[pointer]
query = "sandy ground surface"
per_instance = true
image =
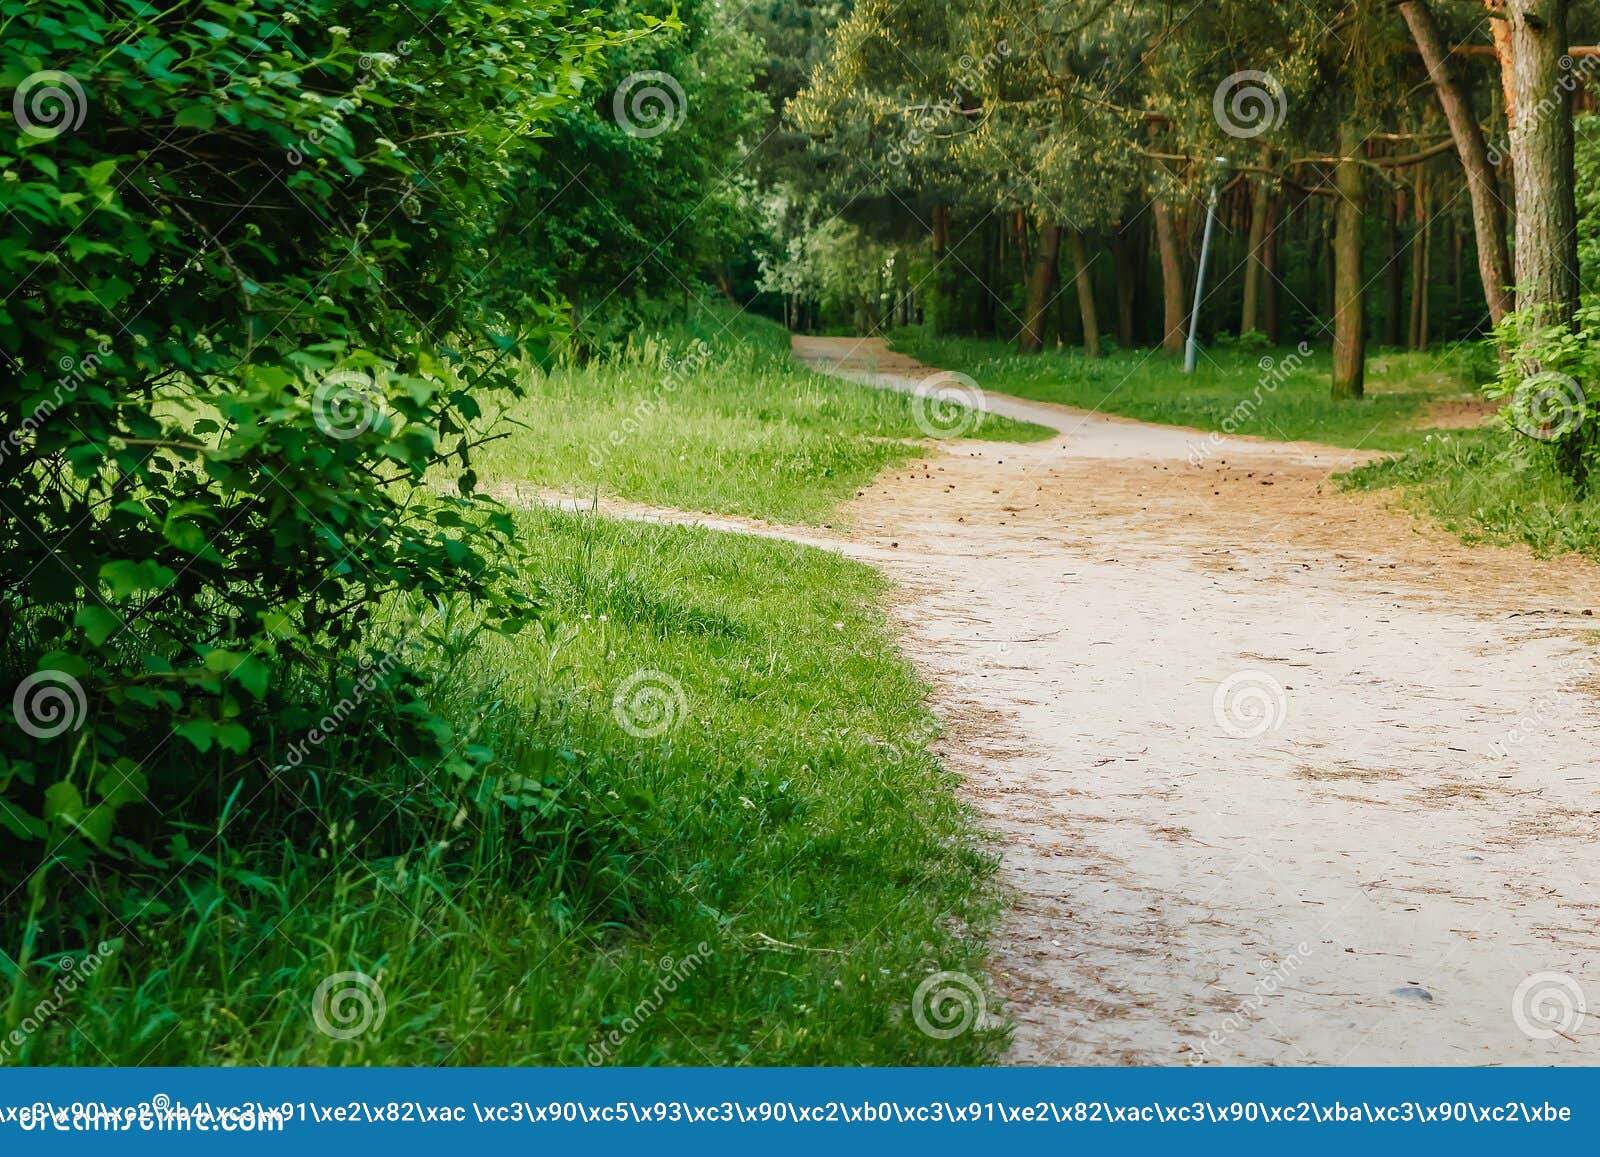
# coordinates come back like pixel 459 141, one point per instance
pixel 1279 774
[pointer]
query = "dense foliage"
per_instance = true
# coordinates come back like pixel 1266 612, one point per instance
pixel 270 262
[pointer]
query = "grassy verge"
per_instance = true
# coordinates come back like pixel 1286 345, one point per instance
pixel 1486 487
pixel 1286 398
pixel 714 416
pixel 752 859
pixel 1483 483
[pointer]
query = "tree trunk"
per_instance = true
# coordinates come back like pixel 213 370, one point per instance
pixel 1500 31
pixel 1349 316
pixel 937 307
pixel 1269 270
pixel 1259 202
pixel 1542 162
pixel 1171 278
pixel 1488 211
pixel 993 236
pixel 900 309
pixel 1080 269
pixel 1394 273
pixel 1125 266
pixel 1041 280
pixel 1421 240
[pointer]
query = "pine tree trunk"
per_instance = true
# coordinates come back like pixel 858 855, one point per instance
pixel 1259 203
pixel 937 306
pixel 1394 272
pixel 1488 210
pixel 1542 161
pixel 1420 239
pixel 900 313
pixel 993 236
pixel 1086 309
pixel 1500 32
pixel 1171 278
pixel 1269 270
pixel 1349 315
pixel 1041 280
pixel 1125 266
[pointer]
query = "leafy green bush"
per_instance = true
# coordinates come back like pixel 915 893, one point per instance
pixel 1546 384
pixel 244 248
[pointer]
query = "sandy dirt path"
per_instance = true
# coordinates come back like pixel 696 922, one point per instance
pixel 1281 775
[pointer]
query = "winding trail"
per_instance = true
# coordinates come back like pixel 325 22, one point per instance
pixel 1362 871
pixel 1280 775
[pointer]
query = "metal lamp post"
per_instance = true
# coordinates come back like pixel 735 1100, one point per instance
pixel 1191 348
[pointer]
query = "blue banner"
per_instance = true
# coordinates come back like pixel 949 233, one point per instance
pixel 300 1111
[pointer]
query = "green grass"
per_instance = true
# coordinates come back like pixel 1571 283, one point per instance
pixel 1491 487
pixel 1287 400
pixel 791 821
pixel 1485 484
pixel 736 428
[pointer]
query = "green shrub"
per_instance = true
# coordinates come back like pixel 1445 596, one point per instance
pixel 1546 384
pixel 243 246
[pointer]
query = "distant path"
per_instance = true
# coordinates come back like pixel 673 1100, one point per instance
pixel 1415 830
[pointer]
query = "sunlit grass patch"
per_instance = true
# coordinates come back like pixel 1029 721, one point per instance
pixel 713 834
